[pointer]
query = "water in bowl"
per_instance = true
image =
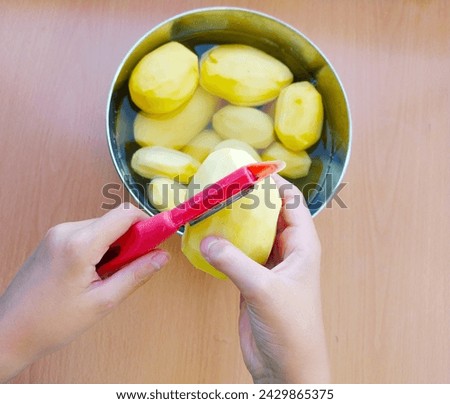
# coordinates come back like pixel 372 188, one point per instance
pixel 325 154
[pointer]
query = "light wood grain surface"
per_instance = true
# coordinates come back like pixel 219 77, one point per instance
pixel 386 258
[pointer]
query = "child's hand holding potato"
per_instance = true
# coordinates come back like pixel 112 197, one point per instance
pixel 280 325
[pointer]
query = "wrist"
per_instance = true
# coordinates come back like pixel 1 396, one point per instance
pixel 266 377
pixel 10 363
pixel 317 374
pixel 13 350
pixel 310 367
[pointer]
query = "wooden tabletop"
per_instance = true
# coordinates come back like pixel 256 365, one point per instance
pixel 386 257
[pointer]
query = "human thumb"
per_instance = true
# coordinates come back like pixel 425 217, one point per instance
pixel 129 278
pixel 227 258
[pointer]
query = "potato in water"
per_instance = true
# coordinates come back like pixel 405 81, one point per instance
pixel 178 128
pixel 297 163
pixel 165 194
pixel 299 116
pixel 164 79
pixel 202 144
pixel 243 75
pixel 249 125
pixel 157 161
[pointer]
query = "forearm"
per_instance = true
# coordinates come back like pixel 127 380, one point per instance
pixel 14 353
pixel 11 360
pixel 10 363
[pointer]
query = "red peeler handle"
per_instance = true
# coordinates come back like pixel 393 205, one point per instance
pixel 140 239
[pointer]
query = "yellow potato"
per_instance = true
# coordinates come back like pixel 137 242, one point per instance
pixel 297 163
pixel 165 194
pixel 249 125
pixel 243 75
pixel 202 144
pixel 249 226
pixel 176 129
pixel 157 161
pixel 299 116
pixel 164 79
pixel 239 145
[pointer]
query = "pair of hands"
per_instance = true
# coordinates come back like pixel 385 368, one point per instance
pixel 57 294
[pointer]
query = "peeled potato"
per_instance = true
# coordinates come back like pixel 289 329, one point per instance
pixel 175 130
pixel 157 161
pixel 250 226
pixel 239 145
pixel 299 116
pixel 249 125
pixel 202 144
pixel 165 194
pixel 243 75
pixel 164 79
pixel 297 163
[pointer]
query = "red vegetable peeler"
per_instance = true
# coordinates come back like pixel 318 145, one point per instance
pixel 146 235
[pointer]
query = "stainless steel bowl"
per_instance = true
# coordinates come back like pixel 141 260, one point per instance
pixel 199 30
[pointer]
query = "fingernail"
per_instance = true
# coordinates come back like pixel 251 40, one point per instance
pixel 159 260
pixel 207 244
